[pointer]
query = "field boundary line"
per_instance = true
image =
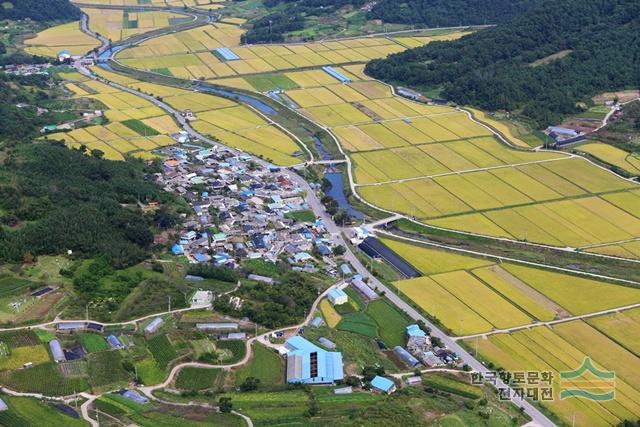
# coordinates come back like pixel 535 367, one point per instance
pixel 509 259
pixel 462 172
pixel 549 322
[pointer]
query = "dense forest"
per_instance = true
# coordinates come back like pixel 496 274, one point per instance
pixel 53 199
pixel 19 123
pixel 449 13
pixel 39 10
pixel 542 64
pixel 289 15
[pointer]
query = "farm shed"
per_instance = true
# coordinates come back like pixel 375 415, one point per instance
pixel 383 384
pixel 3 406
pixel 226 54
pixel 153 325
pixel 327 343
pixel 337 296
pixel 343 390
pixel 336 74
pixel 376 249
pixel 216 326
pixel 363 288
pixel 56 351
pixel 234 336
pixel 258 278
pixel 71 326
pixel 413 380
pixel 309 364
pixel 406 356
pixel 135 396
pixel 114 342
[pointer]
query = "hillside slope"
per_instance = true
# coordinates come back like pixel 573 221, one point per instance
pixel 494 68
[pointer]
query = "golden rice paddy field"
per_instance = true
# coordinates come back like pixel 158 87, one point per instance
pixel 136 127
pixel 470 295
pixel 458 175
pixel 118 24
pixel 232 124
pixel 435 164
pixel 563 347
pixel 52 41
pixel 614 156
pixel 189 54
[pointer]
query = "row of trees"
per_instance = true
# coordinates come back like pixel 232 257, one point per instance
pixel 494 68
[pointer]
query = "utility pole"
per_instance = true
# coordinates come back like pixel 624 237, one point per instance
pixel 169 303
pixel 86 311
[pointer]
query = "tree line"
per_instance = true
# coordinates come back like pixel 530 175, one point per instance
pixel 496 68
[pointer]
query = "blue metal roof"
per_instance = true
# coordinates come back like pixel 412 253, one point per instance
pixel 329 366
pixel 406 356
pixel 382 383
pixel 337 293
pixel 56 351
pixel 415 331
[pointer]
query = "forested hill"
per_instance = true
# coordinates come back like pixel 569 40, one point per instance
pixel 39 10
pixel 53 199
pixel 512 66
pixel 449 13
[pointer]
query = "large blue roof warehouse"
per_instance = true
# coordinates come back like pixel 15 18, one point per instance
pixel 309 364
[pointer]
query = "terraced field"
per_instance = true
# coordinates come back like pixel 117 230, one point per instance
pixel 470 295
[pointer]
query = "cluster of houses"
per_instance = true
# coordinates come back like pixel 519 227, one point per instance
pixel 27 69
pixel 421 351
pixel 242 210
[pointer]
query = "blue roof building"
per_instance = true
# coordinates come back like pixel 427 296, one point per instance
pixel 336 74
pixel 415 331
pixel 56 351
pixel 345 269
pixel 114 342
pixel 154 325
pixel 177 249
pixel 337 296
pixel 135 396
pixel 406 356
pixel 309 364
pixel 383 384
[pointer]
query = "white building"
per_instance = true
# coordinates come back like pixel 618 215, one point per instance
pixel 201 298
